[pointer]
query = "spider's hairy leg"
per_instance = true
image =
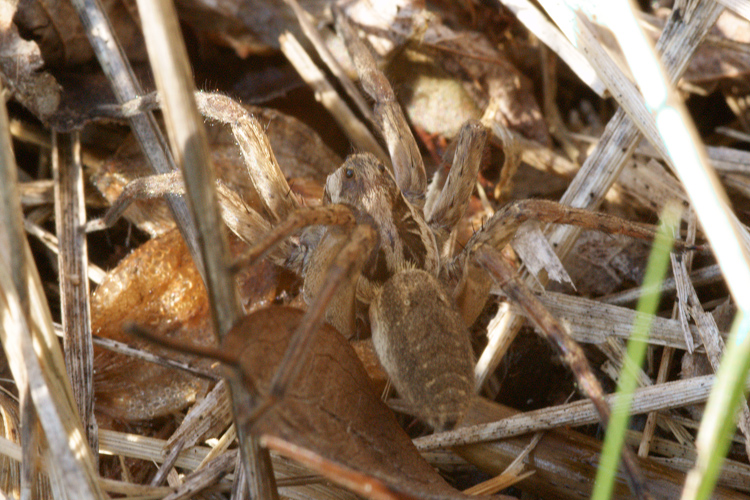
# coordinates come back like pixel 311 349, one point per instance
pixel 328 215
pixel 407 162
pixel 573 356
pixel 424 346
pixel 448 206
pixel 152 186
pixel 264 171
pixel 245 222
pixel 346 264
pixel 265 174
pixel 501 227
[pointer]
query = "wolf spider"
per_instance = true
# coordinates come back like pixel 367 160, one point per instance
pixel 379 247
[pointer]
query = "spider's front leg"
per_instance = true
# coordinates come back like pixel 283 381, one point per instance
pixel 408 167
pixel 505 275
pixel 483 252
pixel 471 290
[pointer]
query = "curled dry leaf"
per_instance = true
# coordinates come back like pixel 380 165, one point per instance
pixel 158 287
pixel 331 419
pixel 61 37
pixel 20 61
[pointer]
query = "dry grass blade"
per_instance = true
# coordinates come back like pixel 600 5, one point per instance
pixel 95 273
pixel 126 87
pixel 30 345
pixel 190 146
pixel 512 473
pixel 327 95
pixel 70 217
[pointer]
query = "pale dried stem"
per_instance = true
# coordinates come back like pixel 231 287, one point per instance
pixel 150 449
pixel 189 142
pixel 712 341
pixel 32 351
pixel 741 7
pixel 70 217
pixel 647 399
pixel 593 322
pixel 354 129
pixel 126 87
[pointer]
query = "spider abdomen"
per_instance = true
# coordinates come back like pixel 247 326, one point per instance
pixel 424 346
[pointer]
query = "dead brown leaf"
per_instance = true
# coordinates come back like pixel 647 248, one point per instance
pixel 159 287
pixel 330 419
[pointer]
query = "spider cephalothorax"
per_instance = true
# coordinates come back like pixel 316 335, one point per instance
pixel 405 242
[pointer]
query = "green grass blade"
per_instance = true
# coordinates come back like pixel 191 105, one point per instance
pixel 720 418
pixel 656 269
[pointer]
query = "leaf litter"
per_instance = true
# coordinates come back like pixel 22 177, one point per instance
pixel 450 43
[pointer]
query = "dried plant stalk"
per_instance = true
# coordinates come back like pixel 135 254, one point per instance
pixel 30 345
pixel 174 79
pixel 126 87
pixel 70 217
pixel 653 398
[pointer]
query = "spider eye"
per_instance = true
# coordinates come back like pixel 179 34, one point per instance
pixel 349 173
